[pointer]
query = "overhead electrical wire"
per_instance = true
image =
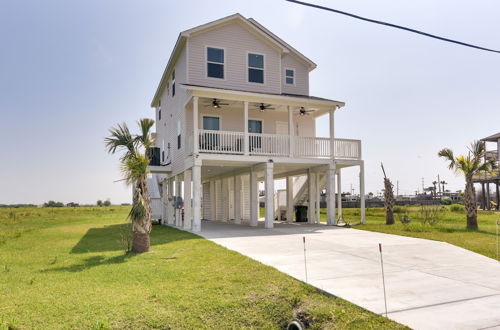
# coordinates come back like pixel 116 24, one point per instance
pixel 394 26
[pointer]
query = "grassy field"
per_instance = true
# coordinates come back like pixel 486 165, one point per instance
pixel 449 228
pixel 65 268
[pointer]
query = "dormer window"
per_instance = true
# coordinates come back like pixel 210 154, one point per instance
pixel 290 76
pixel 256 68
pixel 215 63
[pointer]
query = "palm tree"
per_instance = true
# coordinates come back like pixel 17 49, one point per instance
pixel 134 166
pixel 470 165
pixel 434 184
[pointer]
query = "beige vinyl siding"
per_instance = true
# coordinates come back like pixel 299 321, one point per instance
pixel 231 119
pixel 245 198
pixel 301 78
pixel 237 42
pixel 172 111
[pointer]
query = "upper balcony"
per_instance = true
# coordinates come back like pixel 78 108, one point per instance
pixel 256 124
pixel 276 145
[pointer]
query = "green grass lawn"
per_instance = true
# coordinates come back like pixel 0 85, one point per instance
pixel 65 268
pixel 450 228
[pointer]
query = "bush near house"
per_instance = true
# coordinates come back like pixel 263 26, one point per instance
pixel 79 277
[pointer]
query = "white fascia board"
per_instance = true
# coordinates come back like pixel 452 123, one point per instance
pixel 260 97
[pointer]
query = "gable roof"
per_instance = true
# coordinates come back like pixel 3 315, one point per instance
pixel 249 24
pixel 492 138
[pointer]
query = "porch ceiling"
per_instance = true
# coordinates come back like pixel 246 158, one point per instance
pixel 279 101
pixel 218 169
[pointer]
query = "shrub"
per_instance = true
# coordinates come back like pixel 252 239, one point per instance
pixel 398 209
pixel 457 208
pixel 446 201
pixel 53 204
pixel 431 214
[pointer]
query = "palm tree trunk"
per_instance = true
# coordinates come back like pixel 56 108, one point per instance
pixel 389 202
pixel 140 242
pixel 470 205
pixel 142 228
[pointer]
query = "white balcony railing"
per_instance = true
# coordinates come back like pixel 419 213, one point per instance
pixel 269 144
pixel 311 147
pixel 228 142
pixel 221 142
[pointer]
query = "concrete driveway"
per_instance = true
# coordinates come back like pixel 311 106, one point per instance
pixel 430 285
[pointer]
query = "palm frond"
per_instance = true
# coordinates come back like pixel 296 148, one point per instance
pixel 144 139
pixel 447 154
pixel 120 138
pixel 133 168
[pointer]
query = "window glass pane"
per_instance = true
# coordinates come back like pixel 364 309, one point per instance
pixel 256 75
pixel 211 123
pixel 215 55
pixel 255 126
pixel 215 70
pixel 289 73
pixel 289 81
pixel 256 61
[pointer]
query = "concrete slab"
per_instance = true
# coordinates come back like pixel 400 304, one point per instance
pixel 430 285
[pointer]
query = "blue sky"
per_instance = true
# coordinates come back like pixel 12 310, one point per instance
pixel 71 69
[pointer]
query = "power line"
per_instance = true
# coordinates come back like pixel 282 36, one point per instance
pixel 394 26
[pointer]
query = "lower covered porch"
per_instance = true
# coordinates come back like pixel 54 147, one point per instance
pixel 216 188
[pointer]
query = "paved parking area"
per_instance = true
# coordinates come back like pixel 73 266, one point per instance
pixel 430 285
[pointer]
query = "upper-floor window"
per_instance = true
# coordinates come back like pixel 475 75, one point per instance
pixel 173 83
pixel 290 76
pixel 159 110
pixel 256 68
pixel 215 62
pixel 179 138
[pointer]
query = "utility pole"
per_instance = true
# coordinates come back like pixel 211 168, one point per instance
pixel 423 187
pixel 397 188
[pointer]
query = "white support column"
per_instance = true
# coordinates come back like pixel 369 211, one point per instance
pixel 245 128
pixel 269 187
pixel 225 199
pixel 213 201
pixel 196 135
pixel 289 199
pixel 318 197
pixel 330 195
pixel 178 193
pixel 332 134
pixel 254 199
pixel 187 200
pixel 362 192
pixel 170 207
pixel 291 130
pixel 339 194
pixel 311 209
pixel 237 199
pixel 196 227
pixel 164 201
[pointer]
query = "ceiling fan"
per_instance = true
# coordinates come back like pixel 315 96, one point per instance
pixel 216 104
pixel 304 112
pixel 263 107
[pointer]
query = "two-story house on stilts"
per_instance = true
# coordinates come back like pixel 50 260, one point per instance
pixel 233 109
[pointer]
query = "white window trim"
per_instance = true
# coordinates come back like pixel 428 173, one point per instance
pixel 258 119
pixel 263 69
pixel 209 115
pixel 294 76
pixel 223 64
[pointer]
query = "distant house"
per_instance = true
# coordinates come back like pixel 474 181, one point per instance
pixel 232 109
pixel 486 179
